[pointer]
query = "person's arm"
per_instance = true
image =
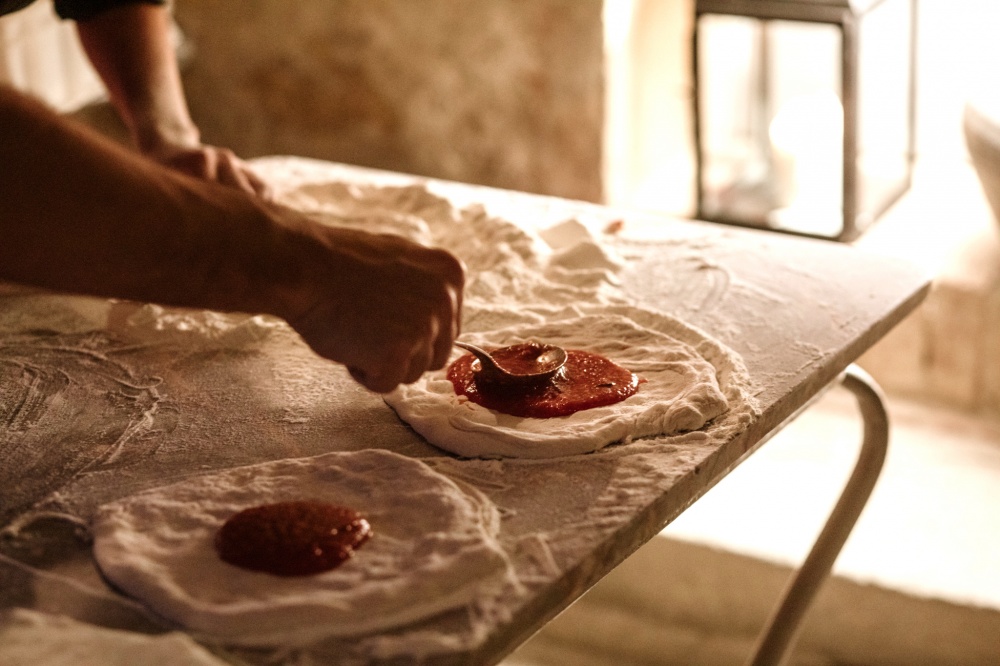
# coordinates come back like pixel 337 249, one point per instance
pixel 81 214
pixel 130 47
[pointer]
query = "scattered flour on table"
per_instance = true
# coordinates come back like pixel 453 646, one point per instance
pixel 508 265
pixel 707 276
pixel 434 548
pixel 31 638
pixel 519 280
pixel 67 406
pixel 203 329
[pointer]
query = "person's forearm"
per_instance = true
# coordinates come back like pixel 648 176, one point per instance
pixel 80 214
pixel 131 49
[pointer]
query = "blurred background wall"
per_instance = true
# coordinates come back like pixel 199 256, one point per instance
pixel 496 92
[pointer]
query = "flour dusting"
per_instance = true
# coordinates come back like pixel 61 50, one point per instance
pixel 157 396
pixel 67 407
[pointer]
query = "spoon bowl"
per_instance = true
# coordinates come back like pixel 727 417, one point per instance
pixel 537 363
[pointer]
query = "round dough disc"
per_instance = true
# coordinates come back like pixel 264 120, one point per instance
pixel 681 391
pixel 433 544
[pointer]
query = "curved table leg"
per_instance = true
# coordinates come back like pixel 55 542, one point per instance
pixel 782 628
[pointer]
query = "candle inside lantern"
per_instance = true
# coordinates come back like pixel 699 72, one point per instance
pixel 807 153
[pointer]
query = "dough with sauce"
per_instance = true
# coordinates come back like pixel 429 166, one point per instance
pixel 433 548
pixel 682 368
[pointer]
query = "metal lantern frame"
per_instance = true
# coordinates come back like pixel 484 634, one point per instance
pixel 846 16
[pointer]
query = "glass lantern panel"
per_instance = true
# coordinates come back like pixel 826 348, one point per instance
pixel 771 123
pixel 884 122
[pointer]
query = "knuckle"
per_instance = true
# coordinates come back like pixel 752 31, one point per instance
pixel 446 265
pixel 455 269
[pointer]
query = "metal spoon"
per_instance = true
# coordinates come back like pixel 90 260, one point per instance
pixel 550 361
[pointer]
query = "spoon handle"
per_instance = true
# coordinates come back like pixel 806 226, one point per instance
pixel 485 360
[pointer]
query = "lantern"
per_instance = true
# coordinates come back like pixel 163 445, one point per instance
pixel 803 112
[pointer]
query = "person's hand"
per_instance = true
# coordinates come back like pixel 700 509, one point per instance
pixel 131 46
pixel 385 307
pixel 211 163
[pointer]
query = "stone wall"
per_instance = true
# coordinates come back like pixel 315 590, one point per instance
pixel 505 93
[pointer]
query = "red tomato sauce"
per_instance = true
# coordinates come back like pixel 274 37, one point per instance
pixel 586 381
pixel 296 538
pixel 521 359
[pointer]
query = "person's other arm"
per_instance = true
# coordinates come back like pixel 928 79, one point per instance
pixel 81 214
pixel 131 49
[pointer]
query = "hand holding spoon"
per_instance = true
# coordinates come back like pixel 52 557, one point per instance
pixel 535 363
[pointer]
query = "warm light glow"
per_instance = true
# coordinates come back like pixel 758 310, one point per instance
pixel 807 137
pixel 617 17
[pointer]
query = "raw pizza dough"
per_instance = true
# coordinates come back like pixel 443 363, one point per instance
pixel 682 368
pixel 433 548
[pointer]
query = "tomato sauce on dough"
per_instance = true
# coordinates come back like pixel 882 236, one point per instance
pixel 586 381
pixel 296 538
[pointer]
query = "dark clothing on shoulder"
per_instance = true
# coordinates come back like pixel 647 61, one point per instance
pixel 77 10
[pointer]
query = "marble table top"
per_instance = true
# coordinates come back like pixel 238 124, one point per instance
pixel 798 311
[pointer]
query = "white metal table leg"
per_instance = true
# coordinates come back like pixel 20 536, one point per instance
pixel 781 630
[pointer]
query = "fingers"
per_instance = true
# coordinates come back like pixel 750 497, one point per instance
pixel 229 172
pixel 216 164
pixel 449 323
pixel 386 308
pixel 373 382
pixel 413 352
pixel 386 370
pixel 232 171
pixel 423 357
pixel 260 187
pixel 449 326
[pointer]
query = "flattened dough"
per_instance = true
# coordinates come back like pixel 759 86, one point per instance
pixel 433 544
pixel 682 392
